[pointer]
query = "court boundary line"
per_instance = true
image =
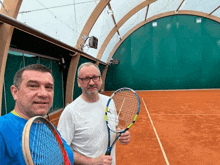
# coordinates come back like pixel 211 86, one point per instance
pixel 158 139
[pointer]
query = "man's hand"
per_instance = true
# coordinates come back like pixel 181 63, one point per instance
pixel 125 138
pixel 102 160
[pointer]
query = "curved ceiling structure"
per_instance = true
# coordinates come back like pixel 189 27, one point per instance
pixel 74 21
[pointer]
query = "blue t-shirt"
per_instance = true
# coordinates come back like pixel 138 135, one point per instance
pixel 11 129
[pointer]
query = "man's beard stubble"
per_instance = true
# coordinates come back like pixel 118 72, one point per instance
pixel 92 93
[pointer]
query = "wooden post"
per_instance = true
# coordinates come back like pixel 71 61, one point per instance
pixel 11 9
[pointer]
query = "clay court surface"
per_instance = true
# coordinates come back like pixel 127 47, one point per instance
pixel 179 127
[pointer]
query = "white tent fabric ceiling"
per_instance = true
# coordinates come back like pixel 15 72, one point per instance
pixel 64 20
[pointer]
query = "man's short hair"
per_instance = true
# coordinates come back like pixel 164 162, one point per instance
pixel 36 67
pixel 87 64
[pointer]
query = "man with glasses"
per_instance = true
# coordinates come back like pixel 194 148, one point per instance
pixel 82 123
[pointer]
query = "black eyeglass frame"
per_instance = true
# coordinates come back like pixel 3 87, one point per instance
pixel 84 80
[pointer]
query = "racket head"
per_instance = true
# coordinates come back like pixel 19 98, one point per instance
pixel 41 143
pixel 122 110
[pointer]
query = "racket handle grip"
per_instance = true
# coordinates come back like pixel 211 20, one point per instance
pixel 108 152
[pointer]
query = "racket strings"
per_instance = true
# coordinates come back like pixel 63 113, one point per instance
pixel 126 105
pixel 43 145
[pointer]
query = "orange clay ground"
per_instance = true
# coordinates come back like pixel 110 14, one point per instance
pixel 187 123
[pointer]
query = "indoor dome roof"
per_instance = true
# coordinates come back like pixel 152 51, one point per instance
pixel 67 20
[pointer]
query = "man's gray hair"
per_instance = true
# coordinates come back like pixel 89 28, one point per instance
pixel 87 64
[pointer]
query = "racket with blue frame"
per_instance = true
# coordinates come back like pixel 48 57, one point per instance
pixel 42 144
pixel 121 112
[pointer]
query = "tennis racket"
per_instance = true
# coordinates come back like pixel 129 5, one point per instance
pixel 121 112
pixel 41 143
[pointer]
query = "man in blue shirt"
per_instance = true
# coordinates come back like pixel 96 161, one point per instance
pixel 33 92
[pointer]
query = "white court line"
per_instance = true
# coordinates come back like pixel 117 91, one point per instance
pixel 164 154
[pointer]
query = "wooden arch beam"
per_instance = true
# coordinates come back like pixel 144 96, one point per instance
pixel 71 78
pixel 181 12
pixel 11 9
pixel 75 60
pixel 120 23
pixel 90 22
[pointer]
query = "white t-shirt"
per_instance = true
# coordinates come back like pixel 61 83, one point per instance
pixel 83 125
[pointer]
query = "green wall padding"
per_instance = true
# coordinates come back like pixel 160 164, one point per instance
pixel 101 67
pixel 177 54
pixel 12 65
pixel 14 62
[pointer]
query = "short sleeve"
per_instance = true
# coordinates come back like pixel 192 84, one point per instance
pixel 66 126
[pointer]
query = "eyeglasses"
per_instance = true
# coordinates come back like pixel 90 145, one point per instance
pixel 87 79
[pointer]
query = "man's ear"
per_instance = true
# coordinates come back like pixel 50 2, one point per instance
pixel 101 80
pixel 78 83
pixel 14 92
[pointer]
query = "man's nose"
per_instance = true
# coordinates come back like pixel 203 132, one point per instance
pixel 43 92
